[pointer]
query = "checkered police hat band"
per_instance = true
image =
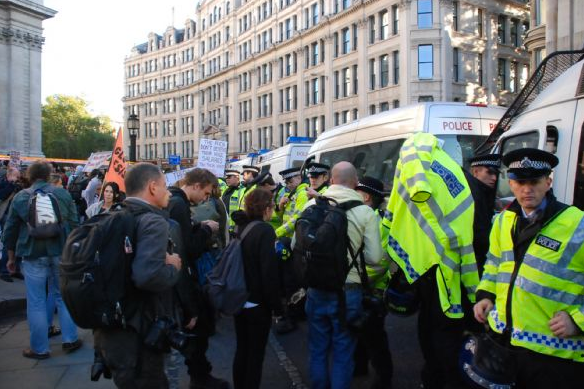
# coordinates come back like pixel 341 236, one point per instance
pixel 527 163
pixel 317 170
pixel 361 185
pixel 290 175
pixel 486 162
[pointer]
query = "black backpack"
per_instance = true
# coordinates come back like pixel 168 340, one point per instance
pixel 77 186
pixel 96 270
pixel 322 244
pixel 44 215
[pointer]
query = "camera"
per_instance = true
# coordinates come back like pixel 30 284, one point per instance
pixel 164 334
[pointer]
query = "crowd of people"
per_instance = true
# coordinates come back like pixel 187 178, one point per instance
pixel 514 279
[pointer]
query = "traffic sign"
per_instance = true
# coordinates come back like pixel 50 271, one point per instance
pixel 174 159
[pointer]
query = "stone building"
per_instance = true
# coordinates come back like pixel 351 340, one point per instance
pixel 556 25
pixel 21 43
pixel 254 73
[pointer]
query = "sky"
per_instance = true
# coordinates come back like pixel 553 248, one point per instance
pixel 86 43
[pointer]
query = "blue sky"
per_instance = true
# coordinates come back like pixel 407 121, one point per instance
pixel 87 41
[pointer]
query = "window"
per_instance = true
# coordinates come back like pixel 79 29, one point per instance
pixel 480 17
pixel 372 109
pixel 371 29
pixel 395 19
pixel 501 78
pixel 480 69
pixel 395 103
pixel 579 181
pixel 514 32
pixel 513 77
pixel 346 40
pixel 372 74
pixel 315 91
pixel 455 65
pixel 354 37
pixel 424 13
pixel 355 80
pixel 383 24
pixel 314 11
pixel 346 81
pixel 314 49
pixel 520 141
pixel 384 106
pixel 424 99
pixel 501 29
pixel 395 67
pixel 336 80
pixel 384 70
pixel 335 45
pixel 425 62
pixel 455 12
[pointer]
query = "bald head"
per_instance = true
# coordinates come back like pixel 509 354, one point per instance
pixel 344 173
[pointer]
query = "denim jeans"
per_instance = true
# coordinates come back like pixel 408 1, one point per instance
pixel 37 272
pixel 326 334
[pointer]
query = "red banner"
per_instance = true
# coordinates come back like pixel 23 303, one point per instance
pixel 117 167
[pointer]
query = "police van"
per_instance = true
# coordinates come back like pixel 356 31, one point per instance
pixel 372 144
pixel 290 155
pixel 549 114
pixel 238 164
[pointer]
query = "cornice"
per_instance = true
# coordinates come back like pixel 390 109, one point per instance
pixel 17 36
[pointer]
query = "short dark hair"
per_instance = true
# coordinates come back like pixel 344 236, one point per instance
pixel 139 175
pixel 200 176
pixel 39 171
pixel 256 202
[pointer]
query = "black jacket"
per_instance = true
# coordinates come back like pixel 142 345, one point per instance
pixel 260 263
pixel 484 209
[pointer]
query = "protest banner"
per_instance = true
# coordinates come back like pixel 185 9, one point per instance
pixel 212 156
pixel 173 177
pixel 96 160
pixel 14 158
pixel 117 167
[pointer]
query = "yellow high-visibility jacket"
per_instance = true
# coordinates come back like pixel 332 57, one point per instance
pixel 292 211
pixel 430 216
pixel 548 279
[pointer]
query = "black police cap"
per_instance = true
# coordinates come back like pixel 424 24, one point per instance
pixel 528 163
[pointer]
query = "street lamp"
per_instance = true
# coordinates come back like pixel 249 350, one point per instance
pixel 133 127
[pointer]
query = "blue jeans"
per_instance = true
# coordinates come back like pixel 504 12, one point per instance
pixel 37 272
pixel 326 334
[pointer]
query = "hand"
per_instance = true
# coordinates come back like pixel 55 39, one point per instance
pixel 312 193
pixel 212 224
pixel 11 264
pixel 174 260
pixel 283 201
pixel 482 309
pixel 563 326
pixel 192 324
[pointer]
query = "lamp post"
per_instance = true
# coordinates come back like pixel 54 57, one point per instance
pixel 133 127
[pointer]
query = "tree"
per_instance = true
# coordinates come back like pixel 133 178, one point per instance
pixel 70 131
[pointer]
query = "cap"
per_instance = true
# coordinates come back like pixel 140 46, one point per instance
pixel 231 172
pixel 289 173
pixel 251 168
pixel 265 179
pixel 527 164
pixel 370 185
pixel 486 160
pixel 314 169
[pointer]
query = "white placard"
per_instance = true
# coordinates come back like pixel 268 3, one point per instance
pixel 212 156
pixel 173 177
pixel 96 160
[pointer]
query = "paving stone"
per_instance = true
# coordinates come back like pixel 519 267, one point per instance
pixel 44 378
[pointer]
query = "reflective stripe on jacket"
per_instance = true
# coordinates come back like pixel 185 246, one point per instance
pixel 430 216
pixel 292 211
pixel 549 279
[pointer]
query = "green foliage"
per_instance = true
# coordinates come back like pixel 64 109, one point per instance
pixel 70 131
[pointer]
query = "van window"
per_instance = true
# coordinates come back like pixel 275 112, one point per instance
pixel 528 139
pixel 297 163
pixel 461 147
pixel 265 168
pixel 377 160
pixel 579 182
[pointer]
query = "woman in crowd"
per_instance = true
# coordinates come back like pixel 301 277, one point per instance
pixel 252 324
pixel 109 197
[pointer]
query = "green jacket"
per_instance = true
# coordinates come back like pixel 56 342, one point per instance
pixel 16 236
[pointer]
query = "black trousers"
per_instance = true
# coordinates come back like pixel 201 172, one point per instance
pixel 539 371
pixel 440 339
pixel 372 346
pixel 195 357
pixel 132 364
pixel 252 327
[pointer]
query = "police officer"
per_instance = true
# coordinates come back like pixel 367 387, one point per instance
pixel 250 174
pixel 231 194
pixel 318 175
pixel 372 342
pixel 290 207
pixel 531 292
pixel 482 179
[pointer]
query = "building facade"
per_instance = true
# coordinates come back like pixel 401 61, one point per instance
pixel 21 43
pixel 254 73
pixel 556 25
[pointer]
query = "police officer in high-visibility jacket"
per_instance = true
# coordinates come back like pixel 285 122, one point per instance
pixel 532 289
pixel 231 195
pixel 250 174
pixel 318 175
pixel 429 215
pixel 372 341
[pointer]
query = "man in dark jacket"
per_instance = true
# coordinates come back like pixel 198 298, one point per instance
pixel 8 188
pixel 154 273
pixel 196 187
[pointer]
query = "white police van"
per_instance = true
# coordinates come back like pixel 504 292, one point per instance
pixel 290 155
pixel 372 143
pixel 549 115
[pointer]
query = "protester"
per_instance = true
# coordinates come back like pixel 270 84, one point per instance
pixel 253 324
pixel 91 192
pixel 41 256
pixel 154 273
pixel 110 196
pixel 9 186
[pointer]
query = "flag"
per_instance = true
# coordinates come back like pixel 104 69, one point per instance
pixel 117 167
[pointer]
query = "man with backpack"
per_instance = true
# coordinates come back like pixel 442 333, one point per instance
pixel 35 230
pixel 195 188
pixel 77 184
pixel 134 352
pixel 347 228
